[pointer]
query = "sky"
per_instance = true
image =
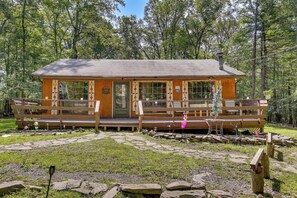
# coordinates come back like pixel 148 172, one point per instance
pixel 133 7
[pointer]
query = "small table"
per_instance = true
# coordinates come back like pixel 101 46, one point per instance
pixel 215 125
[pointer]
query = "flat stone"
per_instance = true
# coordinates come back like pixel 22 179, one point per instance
pixel 60 185
pixel 219 193
pixel 183 194
pixel 199 178
pixel 19 148
pixel 150 189
pixel 179 185
pixel 238 160
pixel 37 188
pixel 198 186
pixel 90 188
pixel 12 186
pixel 71 183
pixel 112 192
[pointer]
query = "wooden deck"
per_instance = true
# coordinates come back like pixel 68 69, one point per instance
pixel 199 117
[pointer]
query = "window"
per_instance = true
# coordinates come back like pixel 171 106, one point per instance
pixel 153 91
pixel 73 91
pixel 200 90
pixel 70 90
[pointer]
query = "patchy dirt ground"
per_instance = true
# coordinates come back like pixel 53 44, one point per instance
pixel 15 171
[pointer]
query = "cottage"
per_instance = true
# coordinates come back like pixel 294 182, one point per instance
pixel 166 89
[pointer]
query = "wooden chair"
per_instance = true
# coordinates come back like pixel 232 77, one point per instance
pixel 231 103
pixel 177 104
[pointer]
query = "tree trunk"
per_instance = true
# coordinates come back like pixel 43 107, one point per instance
pixel 264 55
pixel 23 46
pixel 254 50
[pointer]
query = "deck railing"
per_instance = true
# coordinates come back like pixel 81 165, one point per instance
pixel 254 109
pixel 29 110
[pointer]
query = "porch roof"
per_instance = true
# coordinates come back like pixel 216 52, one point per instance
pixel 96 68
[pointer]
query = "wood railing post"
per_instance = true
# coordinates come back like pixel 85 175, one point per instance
pixel 240 111
pixel 59 102
pixel 270 145
pixel 97 116
pixel 266 166
pixel 140 115
pixel 257 172
pixel 22 111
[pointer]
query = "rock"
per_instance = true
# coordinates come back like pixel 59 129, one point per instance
pixel 179 185
pixel 238 160
pixel 60 185
pixel 198 179
pixel 150 189
pixel 198 187
pixel 37 188
pixel 183 194
pixel 219 193
pixel 90 188
pixel 112 192
pixel 12 186
pixel 71 183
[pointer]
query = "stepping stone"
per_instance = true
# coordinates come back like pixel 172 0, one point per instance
pixel 60 185
pixel 219 193
pixel 37 188
pixel 71 183
pixel 149 189
pixel 112 192
pixel 182 194
pixel 179 185
pixel 237 160
pixel 199 178
pixel 19 148
pixel 12 186
pixel 90 188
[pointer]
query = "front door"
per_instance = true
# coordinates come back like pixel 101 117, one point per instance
pixel 121 99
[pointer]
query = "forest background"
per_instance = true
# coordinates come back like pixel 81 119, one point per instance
pixel 258 37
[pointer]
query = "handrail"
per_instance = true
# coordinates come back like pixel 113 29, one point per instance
pixel 259 170
pixel 22 110
pixel 256 159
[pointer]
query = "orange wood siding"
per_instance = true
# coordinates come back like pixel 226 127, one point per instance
pixel 177 95
pixel 228 91
pixel 105 99
pixel 228 88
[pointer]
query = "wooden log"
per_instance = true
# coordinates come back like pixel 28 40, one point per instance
pixel 270 145
pixel 257 180
pixel 266 166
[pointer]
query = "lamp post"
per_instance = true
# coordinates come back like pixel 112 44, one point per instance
pixel 51 172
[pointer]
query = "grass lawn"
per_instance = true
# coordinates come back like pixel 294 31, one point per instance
pixel 7 123
pixel 108 157
pixel 275 128
pixel 21 138
pixel 125 164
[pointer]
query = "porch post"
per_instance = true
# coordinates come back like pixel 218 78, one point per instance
pixel 185 92
pixel 169 95
pixel 55 95
pixel 91 96
pixel 135 95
